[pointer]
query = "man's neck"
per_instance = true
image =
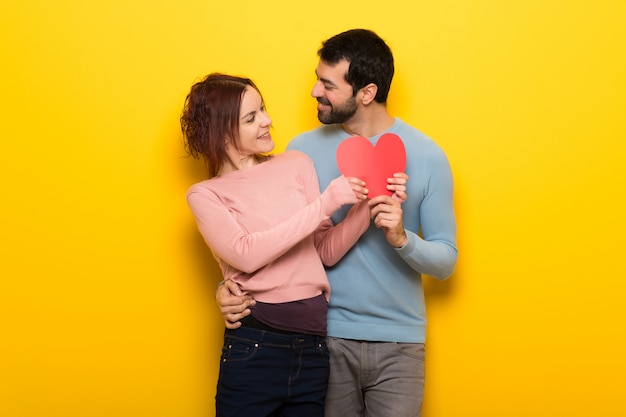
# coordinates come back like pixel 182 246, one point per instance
pixel 368 123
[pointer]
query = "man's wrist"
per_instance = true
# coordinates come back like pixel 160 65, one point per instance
pixel 401 242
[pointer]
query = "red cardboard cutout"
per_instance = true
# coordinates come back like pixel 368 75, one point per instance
pixel 357 157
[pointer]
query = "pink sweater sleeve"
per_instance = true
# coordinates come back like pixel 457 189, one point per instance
pixel 334 242
pixel 249 251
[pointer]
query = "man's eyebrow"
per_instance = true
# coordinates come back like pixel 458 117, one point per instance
pixel 327 81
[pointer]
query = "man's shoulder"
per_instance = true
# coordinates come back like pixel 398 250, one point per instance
pixel 314 137
pixel 412 136
pixel 403 129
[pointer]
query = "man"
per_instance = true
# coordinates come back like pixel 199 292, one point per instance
pixel 376 314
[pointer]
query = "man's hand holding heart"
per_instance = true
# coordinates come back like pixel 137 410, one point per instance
pixel 381 167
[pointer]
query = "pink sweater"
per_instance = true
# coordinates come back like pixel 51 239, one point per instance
pixel 268 226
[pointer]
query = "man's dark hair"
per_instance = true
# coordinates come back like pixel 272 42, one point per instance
pixel 370 58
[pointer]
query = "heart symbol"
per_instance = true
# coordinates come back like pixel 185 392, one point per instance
pixel 357 157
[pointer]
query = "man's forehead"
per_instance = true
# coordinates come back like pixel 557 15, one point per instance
pixel 334 73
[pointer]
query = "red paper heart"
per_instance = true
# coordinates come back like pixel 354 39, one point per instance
pixel 357 157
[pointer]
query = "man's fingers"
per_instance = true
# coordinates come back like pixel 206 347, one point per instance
pixel 232 325
pixel 232 320
pixel 233 287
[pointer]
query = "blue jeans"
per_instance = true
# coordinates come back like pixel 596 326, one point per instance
pixel 271 374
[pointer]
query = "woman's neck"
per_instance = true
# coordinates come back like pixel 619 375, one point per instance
pixel 239 162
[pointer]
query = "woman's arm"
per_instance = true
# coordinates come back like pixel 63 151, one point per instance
pixel 249 251
pixel 334 242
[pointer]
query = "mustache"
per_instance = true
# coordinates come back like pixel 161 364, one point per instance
pixel 323 100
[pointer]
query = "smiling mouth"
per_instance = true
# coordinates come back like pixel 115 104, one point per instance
pixel 264 136
pixel 323 101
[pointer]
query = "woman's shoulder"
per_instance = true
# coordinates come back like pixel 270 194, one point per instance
pixel 293 156
pixel 292 164
pixel 201 187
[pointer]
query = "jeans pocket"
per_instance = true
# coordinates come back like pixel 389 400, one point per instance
pixel 412 350
pixel 322 347
pixel 238 350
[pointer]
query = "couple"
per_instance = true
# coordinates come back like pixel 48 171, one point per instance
pixel 295 347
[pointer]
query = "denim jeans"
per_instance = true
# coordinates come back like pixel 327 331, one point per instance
pixel 271 374
pixel 375 379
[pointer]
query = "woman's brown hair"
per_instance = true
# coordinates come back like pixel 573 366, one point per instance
pixel 210 118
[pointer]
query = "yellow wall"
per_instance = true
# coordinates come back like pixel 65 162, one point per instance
pixel 106 287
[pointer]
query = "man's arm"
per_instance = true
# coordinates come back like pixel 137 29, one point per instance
pixel 434 252
pixel 233 304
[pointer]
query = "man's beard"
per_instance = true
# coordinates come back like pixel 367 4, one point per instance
pixel 337 114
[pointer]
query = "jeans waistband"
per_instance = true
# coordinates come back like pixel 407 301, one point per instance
pixel 263 337
pixel 252 323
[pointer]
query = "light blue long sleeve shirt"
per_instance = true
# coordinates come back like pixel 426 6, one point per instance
pixel 376 290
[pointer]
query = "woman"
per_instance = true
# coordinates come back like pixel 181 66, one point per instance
pixel 268 226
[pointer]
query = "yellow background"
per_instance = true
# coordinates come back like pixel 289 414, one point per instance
pixel 106 291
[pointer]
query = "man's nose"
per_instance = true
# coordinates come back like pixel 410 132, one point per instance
pixel 317 90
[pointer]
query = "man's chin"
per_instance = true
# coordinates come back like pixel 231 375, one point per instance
pixel 324 118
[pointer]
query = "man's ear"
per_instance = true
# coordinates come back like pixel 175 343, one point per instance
pixel 368 93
